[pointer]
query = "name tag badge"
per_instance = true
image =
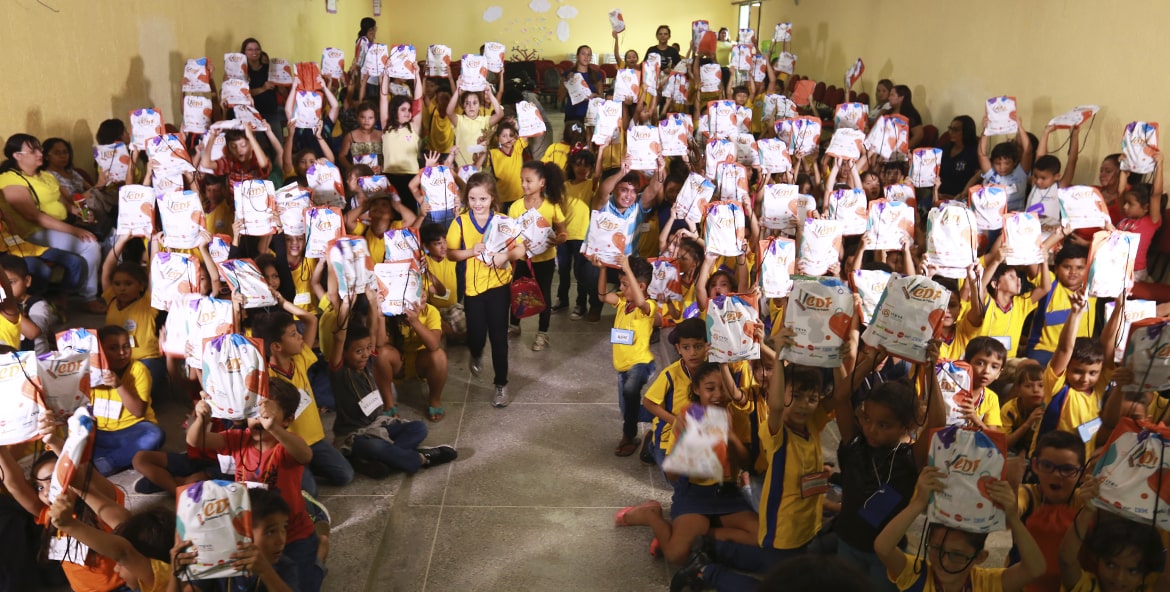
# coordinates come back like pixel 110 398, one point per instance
pixel 1089 429
pixel 880 505
pixel 1006 340
pixel 371 402
pixel 227 464
pixel 107 408
pixel 814 484
pixel 133 341
pixel 12 241
pixel 302 298
pixel 644 227
pixel 306 400
pixel 67 548
pixel 621 336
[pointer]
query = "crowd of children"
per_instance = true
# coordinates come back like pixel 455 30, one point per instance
pixel 670 242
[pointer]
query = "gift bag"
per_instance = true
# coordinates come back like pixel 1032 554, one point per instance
pixel 216 516
pixel 773 156
pixel 651 73
pixel 291 202
pixel 1138 145
pixel 280 71
pixel 676 88
pixel 924 166
pixel 244 278
pixel 783 33
pixel 777 265
pixel 493 56
pixel 724 229
pixel 113 160
pixel 400 287
pixel 324 178
pixel 376 186
pixel 403 244
pixel 710 78
pixel 499 237
pixel 606 238
pixel 741 57
pixel 307 74
pixel 693 197
pixel 235 67
pixel 847 144
pixel 1148 355
pixel 196 115
pixel 144 125
pixel 732 321
pixel 172 277
pixel 75 452
pixel 85 341
pixel 235 93
pixel 759 68
pixel 182 219
pixel 643 147
pixel 664 281
pixel 439 188
pixel 377 58
pixel 969 461
pixel 135 211
pixel 527 299
pixel 699 30
pixel 785 63
pixel 820 313
pixel 853 116
pixel 235 376
pixel 731 180
pixel 197 76
pixel 256 207
pixel 206 318
pixel 778 107
pixel 719 151
pixel 529 120
pixel 307 109
pixel 577 88
pixel 1134 473
pixel 626 84
pixel 172 342
pixel 1001 113
pixel 594 103
pixel 806 135
pixel 954 381
pixel 402 63
pixel 900 192
pixel 908 316
pixel 700 451
pixel 64 376
pixel 616 22
pixel 675 132
pixel 169 157
pixel 349 257
pixel 371 160
pixel 473 74
pixel 1111 261
pixel 782 206
pixel 1135 310
pixel 438 61
pixel 820 246
pixel 848 207
pixel 854 73
pixel 333 63
pixel 951 239
pixel 20 404
pixel 1082 206
pixel 609 119
pixel 989 204
pixel 1074 118
pixel 870 285
pixel 802 92
pixel 322 225
pixel 889 225
pixel 1022 239
pixel 536 232
pixel 889 138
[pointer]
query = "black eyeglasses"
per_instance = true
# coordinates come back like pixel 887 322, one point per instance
pixel 953 557
pixel 1049 467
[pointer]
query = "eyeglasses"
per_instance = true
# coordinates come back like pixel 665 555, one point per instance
pixel 31 151
pixel 953 557
pixel 1049 467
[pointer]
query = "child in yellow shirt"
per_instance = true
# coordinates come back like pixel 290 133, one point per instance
pixel 121 406
pixel 986 357
pixel 579 189
pixel 634 321
pixel 442 282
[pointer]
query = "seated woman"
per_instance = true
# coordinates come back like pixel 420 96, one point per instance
pixel 37 211
pixel 960 157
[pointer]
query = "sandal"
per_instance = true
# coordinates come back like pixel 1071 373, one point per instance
pixel 436 414
pixel 619 519
pixel 656 549
pixel 626 447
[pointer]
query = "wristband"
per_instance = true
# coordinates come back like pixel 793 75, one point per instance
pixel 391 412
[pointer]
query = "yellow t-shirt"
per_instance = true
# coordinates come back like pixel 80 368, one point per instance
pixel 552 214
pixel 162 577
pixel 108 409
pixel 672 390
pixel 989 409
pixel 1056 314
pixel 1006 326
pixel 307 423
pixel 956 348
pixel 578 208
pixel 441 136
pixel 443 270
pixel 612 155
pixel 745 422
pixel 430 319
pixel 10 331
pixel 1073 409
pixel 788 518
pixel 506 168
pixel 13 244
pixel 137 319
pixel 982 579
pixel 45 193
pixel 400 151
pixel 557 154
pixel 648 237
pixel 302 277
pixel 640 325
pixel 464 234
pixel 1089 583
pixel 467 134
pixel 220 218
pixel 325 327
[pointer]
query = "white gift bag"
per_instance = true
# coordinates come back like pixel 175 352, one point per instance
pixel 901 192
pixel 307 109
pixel 182 219
pixel 324 178
pixel 535 231
pixel 402 63
pixel 820 246
pixel 759 70
pixel 377 57
pixel 773 156
pixel 664 282
pixel 216 516
pixel 251 118
pixel 136 210
pixel 732 321
pixel 144 125
pixel 235 67
pixel 473 74
pixel 172 277
pixel 1022 239
pixel 20 404
pixel 731 181
pixel 700 452
pixel 1111 261
pixel 852 116
pixel 609 120
pixel 466 171
pixel 777 265
pixel 954 380
pixel 778 107
pixel 951 239
pixel 1082 206
pixel 196 114
pixel 333 63
pixel 724 229
pixel 1135 310
pixel 691 203
pixel 64 376
pixel 870 285
pixel 676 87
pixel 806 136
pixel 1000 112
pixel 820 314
pixel 1138 145
pixel 256 207
pixel 606 238
pixel 710 78
pixel 206 318
pixel 113 160
pixel 291 203
pixel 675 132
pixel 651 73
pixel 323 225
pixel 626 84
pixel 280 71
pixel 245 279
pixel 847 143
pixel 722 119
pixel 1148 355
pixel 400 287
pixel 349 256
pixel 741 57
pixel 501 233
pixel 969 461
pixel 924 166
pixel 889 138
pixel 197 76
pixel 236 93
pixel 908 316
pixel 782 33
pixel 889 224
pixel 168 155
pixel 235 376
pixel 578 89
pixel 377 186
pixel 643 147
pixel 848 207
pixel 617 23
pixel 1133 472
pixel 989 204
pixel 1075 117
pixel 780 207
pixel 591 109
pixel 529 120
pixel 438 61
pixel 785 63
pixel 493 56
pixel 719 152
pixel 439 188
pixel 75 452
pixel 854 73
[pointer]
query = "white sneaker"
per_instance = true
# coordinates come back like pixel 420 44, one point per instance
pixel 540 342
pixel 475 365
pixel 501 399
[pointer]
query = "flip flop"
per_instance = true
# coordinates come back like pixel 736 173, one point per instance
pixel 626 447
pixel 655 549
pixel 619 519
pixel 436 414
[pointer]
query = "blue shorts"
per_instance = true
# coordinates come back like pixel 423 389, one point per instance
pixel 708 500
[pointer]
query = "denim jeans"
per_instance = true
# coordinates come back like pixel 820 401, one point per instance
pixel 630 385
pixel 90 252
pixel 303 554
pixel 402 453
pixel 329 466
pixel 159 378
pixel 113 451
pixel 748 559
pixel 869 564
pixel 71 263
pixel 571 261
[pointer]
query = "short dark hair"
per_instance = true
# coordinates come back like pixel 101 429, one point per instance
pixel 1007 150
pixel 355 332
pixel 111 331
pixel 287 397
pixel 805 379
pixel 1112 535
pixel 110 131
pixel 1047 163
pixel 898 397
pixel 151 532
pixel 135 271
pixel 693 328
pixel 14 264
pixel 1087 350
pixel 1070 251
pixel 271 327
pixel 985 345
pixel 1061 440
pixel 267 503
pixel 642 270
pixel 264 260
pixel 431 232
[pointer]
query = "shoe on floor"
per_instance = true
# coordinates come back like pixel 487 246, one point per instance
pixel 474 365
pixel 594 315
pixel 560 306
pixel 438 455
pixel 690 577
pixel 317 510
pixel 513 330
pixel 370 468
pixel 501 398
pixel 146 486
pixel 540 343
pixel 577 314
pixel 647 453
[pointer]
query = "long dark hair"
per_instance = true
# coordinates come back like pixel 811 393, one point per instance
pixel 970 137
pixel 907 106
pixel 50 144
pixel 15 144
pixel 554 180
pixel 365 26
pixel 81 510
pixel 244 45
pixel 396 103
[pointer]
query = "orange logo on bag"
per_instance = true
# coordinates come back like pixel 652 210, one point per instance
pixel 732 316
pixel 821 230
pixel 63 368
pixel 179 205
pixel 926 293
pixel 963 465
pixel 232 365
pixel 813 301
pixel 10 372
pixel 213 509
pixel 607 224
pixel 173 273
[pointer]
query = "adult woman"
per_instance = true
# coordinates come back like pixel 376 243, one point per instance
pixel 594 78
pixel 367 32
pixel 59 163
pixel 960 157
pixel 402 122
pixel 263 91
pixel 902 102
pixel 35 209
pixel 723 45
pixel 881 98
pixel 669 55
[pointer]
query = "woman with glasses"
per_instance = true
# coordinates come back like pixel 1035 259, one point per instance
pixel 960 157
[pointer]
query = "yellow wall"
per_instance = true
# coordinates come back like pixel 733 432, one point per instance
pixel 1050 54
pixel 64 72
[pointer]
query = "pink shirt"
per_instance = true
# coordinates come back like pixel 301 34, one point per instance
pixel 1146 228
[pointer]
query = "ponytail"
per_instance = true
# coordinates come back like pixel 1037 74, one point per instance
pixel 16 143
pixel 554 180
pixel 365 26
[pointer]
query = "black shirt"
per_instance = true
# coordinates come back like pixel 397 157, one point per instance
pixel 861 468
pixel 265 102
pixel 955 171
pixel 670 57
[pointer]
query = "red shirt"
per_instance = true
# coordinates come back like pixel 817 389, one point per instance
pixel 238 172
pixel 97 577
pixel 273 466
pixel 1145 227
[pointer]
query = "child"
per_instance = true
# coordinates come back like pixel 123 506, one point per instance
pixel 579 188
pixel 417 335
pixel 139 546
pixel 17 327
pixel 986 357
pixel 572 141
pixel 953 556
pixel 1005 309
pixel 1124 555
pixel 471 126
pixel 1009 165
pixel 1049 508
pixel 267 452
pixel 122 406
pixel 1142 215
pixel 669 392
pixel 507 159
pixel 632 325
pixel 1047 179
pixel 219 205
pixel 128 295
pixel 1055 308
pixel 1020 415
pixel 440 133
pixel 442 282
pixel 544 191
pixel 381 214
pixel 362 141
pixel 401 118
pixel 376 444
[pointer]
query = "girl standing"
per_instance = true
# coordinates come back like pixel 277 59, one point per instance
pixel 361 141
pixel 544 191
pixel 471 126
pixel 401 122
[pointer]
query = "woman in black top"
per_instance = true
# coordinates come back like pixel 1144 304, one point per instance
pixel 902 103
pixel 960 157
pixel 669 55
pixel 263 91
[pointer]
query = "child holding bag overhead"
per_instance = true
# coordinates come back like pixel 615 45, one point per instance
pixel 402 125
pixel 544 192
pixel 473 124
pixel 1143 214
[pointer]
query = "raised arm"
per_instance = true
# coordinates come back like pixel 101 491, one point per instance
pixel 1074 152
pixel 984 159
pixel 1068 334
pixel 1027 151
